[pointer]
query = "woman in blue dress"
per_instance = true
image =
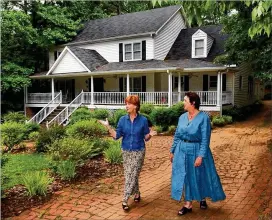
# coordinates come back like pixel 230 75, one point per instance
pixel 193 169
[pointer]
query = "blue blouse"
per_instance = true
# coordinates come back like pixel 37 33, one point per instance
pixel 133 133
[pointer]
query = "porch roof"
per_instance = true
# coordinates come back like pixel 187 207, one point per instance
pixel 144 66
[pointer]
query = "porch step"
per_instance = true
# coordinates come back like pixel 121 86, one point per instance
pixel 52 115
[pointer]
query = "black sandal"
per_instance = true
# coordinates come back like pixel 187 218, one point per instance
pixel 184 210
pixel 137 199
pixel 203 204
pixel 125 206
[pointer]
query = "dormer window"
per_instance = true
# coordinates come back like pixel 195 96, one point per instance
pixel 201 44
pixel 132 51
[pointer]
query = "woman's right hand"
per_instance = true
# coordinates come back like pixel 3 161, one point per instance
pixel 105 123
pixel 171 156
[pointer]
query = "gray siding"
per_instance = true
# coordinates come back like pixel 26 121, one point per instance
pixel 167 36
pixel 209 43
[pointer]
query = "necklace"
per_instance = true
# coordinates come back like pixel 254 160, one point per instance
pixel 192 115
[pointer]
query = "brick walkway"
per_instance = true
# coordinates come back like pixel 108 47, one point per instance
pixel 243 163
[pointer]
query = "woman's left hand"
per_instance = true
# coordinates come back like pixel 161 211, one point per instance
pixel 198 161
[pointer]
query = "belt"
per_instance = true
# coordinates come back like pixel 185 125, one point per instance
pixel 187 141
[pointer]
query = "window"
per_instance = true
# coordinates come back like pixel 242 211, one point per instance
pixel 240 82
pixel 135 84
pixel 56 54
pixel 175 82
pixel 250 86
pixel 133 51
pixel 199 47
pixel 213 81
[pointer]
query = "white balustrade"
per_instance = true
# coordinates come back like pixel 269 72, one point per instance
pixel 39 97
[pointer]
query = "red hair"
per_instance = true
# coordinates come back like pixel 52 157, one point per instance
pixel 133 99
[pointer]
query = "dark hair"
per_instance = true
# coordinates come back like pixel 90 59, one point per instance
pixel 133 99
pixel 194 99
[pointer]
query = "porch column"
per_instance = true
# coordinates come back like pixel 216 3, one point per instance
pixel 221 92
pixel 127 84
pixel 169 88
pixel 53 88
pixel 218 89
pixel 179 88
pixel 92 91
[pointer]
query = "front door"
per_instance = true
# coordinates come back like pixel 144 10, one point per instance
pixel 67 86
pixel 98 84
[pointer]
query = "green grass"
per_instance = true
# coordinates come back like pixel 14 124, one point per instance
pixel 19 164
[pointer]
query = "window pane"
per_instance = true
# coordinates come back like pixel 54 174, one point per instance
pixel 128 48
pixel 137 84
pixel 128 56
pixel 199 43
pixel 136 47
pixel 137 55
pixel 199 51
pixel 213 81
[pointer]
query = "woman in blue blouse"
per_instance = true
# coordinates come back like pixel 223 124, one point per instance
pixel 134 130
pixel 193 169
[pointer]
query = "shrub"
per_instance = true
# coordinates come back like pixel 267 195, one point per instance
pixel 172 129
pixel 228 119
pixel 150 123
pixel 86 129
pixel 73 149
pixel 31 127
pixel 33 135
pixel 66 169
pixel 160 116
pixel 158 128
pixel 82 113
pixel 36 182
pixel 47 137
pixel 146 109
pixel 12 134
pixel 101 114
pixel 15 117
pixel 218 121
pixel 118 114
pixel 114 153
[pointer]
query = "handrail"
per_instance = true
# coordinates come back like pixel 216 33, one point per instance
pixel 67 111
pixel 46 110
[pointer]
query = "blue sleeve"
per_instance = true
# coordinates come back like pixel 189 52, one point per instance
pixel 119 130
pixel 176 139
pixel 205 136
pixel 146 128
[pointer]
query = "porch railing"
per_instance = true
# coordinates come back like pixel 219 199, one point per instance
pixel 66 112
pixel 104 98
pixel 46 110
pixel 37 98
pixel 206 97
pixel 154 98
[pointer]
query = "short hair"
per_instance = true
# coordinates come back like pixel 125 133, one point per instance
pixel 135 100
pixel 194 99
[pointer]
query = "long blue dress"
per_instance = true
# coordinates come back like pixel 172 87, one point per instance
pixel 192 139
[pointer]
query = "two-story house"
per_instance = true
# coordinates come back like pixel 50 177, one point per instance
pixel 153 54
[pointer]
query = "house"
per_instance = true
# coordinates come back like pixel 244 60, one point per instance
pixel 153 54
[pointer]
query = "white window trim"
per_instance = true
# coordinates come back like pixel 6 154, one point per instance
pixel 194 39
pixel 132 55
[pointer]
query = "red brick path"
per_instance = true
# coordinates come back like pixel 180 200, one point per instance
pixel 243 161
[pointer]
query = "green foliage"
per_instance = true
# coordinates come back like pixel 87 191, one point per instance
pixel 218 121
pixel 37 182
pixel 228 119
pixel 73 149
pixel 17 165
pixel 66 169
pixel 172 129
pixel 86 129
pixel 82 113
pixel 146 108
pixel 15 117
pixel 31 127
pixel 114 153
pixel 33 135
pixel 47 137
pixel 12 134
pixel 100 114
pixel 158 128
pixel 118 114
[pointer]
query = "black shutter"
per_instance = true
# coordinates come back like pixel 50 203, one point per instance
pixel 144 50
pixel 143 83
pixel 73 88
pixel 121 88
pixel 120 52
pixel 205 82
pixel 55 55
pixel 186 83
pixel 224 82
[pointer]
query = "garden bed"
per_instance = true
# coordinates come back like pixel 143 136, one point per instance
pixel 16 200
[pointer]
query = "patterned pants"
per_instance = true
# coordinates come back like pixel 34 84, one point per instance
pixel 132 162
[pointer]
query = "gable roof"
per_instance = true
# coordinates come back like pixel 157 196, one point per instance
pixel 182 48
pixel 90 58
pixel 137 23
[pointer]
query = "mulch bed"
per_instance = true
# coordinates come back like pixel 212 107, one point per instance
pixel 16 200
